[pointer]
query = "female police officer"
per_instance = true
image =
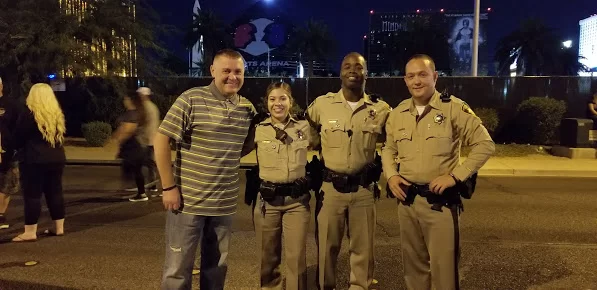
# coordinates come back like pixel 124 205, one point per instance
pixel 283 203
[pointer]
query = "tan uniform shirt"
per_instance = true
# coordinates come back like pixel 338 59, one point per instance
pixel 283 162
pixel 430 147
pixel 348 137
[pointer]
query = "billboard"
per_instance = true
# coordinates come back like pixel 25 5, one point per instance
pixel 461 41
pixel 261 35
pixel 399 35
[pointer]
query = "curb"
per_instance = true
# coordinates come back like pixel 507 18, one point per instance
pixel 538 173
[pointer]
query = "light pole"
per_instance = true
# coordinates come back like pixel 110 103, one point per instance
pixel 475 61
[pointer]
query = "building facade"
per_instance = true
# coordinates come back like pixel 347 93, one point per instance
pixel 388 32
pixel 123 49
pixel 587 46
pixel 263 35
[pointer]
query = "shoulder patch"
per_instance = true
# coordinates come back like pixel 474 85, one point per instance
pixel 467 109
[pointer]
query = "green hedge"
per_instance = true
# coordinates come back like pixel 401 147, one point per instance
pixel 96 133
pixel 538 120
pixel 489 117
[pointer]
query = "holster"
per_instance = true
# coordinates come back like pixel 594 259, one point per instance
pixel 466 188
pixel 372 172
pixel 253 184
pixel 314 170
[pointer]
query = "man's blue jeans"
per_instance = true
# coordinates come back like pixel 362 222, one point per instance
pixel 183 234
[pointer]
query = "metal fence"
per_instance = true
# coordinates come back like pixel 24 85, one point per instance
pixel 501 93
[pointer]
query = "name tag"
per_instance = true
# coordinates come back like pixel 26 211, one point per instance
pixel 334 123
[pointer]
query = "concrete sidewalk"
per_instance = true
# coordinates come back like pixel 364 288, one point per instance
pixel 532 165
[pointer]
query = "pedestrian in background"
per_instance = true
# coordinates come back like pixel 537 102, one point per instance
pixel 39 137
pixel 131 150
pixel 9 166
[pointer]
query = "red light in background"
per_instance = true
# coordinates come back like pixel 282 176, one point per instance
pixel 489 9
pixel 364 36
pixel 418 11
pixel 441 10
pixel 371 12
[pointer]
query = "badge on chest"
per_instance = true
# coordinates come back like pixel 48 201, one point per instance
pixel 439 118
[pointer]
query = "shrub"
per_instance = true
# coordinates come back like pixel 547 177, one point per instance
pixel 96 133
pixel 538 119
pixel 489 117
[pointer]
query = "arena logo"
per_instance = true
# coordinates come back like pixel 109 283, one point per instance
pixel 272 63
pixel 259 36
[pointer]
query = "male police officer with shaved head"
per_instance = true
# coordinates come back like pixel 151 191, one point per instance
pixel 425 133
pixel 350 122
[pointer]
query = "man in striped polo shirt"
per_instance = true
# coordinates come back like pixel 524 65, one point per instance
pixel 210 125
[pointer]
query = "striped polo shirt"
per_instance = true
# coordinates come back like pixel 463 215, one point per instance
pixel 209 130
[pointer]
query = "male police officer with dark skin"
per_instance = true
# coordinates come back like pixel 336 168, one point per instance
pixel 350 123
pixel 424 134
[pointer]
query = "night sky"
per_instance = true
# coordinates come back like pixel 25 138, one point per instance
pixel 348 19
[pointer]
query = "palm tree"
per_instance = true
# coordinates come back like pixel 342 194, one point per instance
pixel 216 35
pixel 568 63
pixel 314 42
pixel 534 48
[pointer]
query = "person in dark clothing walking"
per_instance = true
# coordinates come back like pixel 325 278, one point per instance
pixel 39 137
pixel 132 151
pixel 9 168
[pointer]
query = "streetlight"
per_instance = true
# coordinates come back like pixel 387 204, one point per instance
pixel 567 43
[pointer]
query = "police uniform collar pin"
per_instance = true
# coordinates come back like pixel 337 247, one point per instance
pixel 299 134
pixel 439 118
pixel 372 113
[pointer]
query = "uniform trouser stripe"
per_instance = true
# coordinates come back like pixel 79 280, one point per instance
pixel 454 211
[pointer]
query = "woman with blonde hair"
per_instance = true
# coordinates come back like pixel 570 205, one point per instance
pixel 39 137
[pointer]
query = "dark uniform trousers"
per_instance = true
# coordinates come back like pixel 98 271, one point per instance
pixel 430 245
pixel 357 210
pixel 290 217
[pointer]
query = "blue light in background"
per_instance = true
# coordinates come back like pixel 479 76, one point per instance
pixel 52 76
